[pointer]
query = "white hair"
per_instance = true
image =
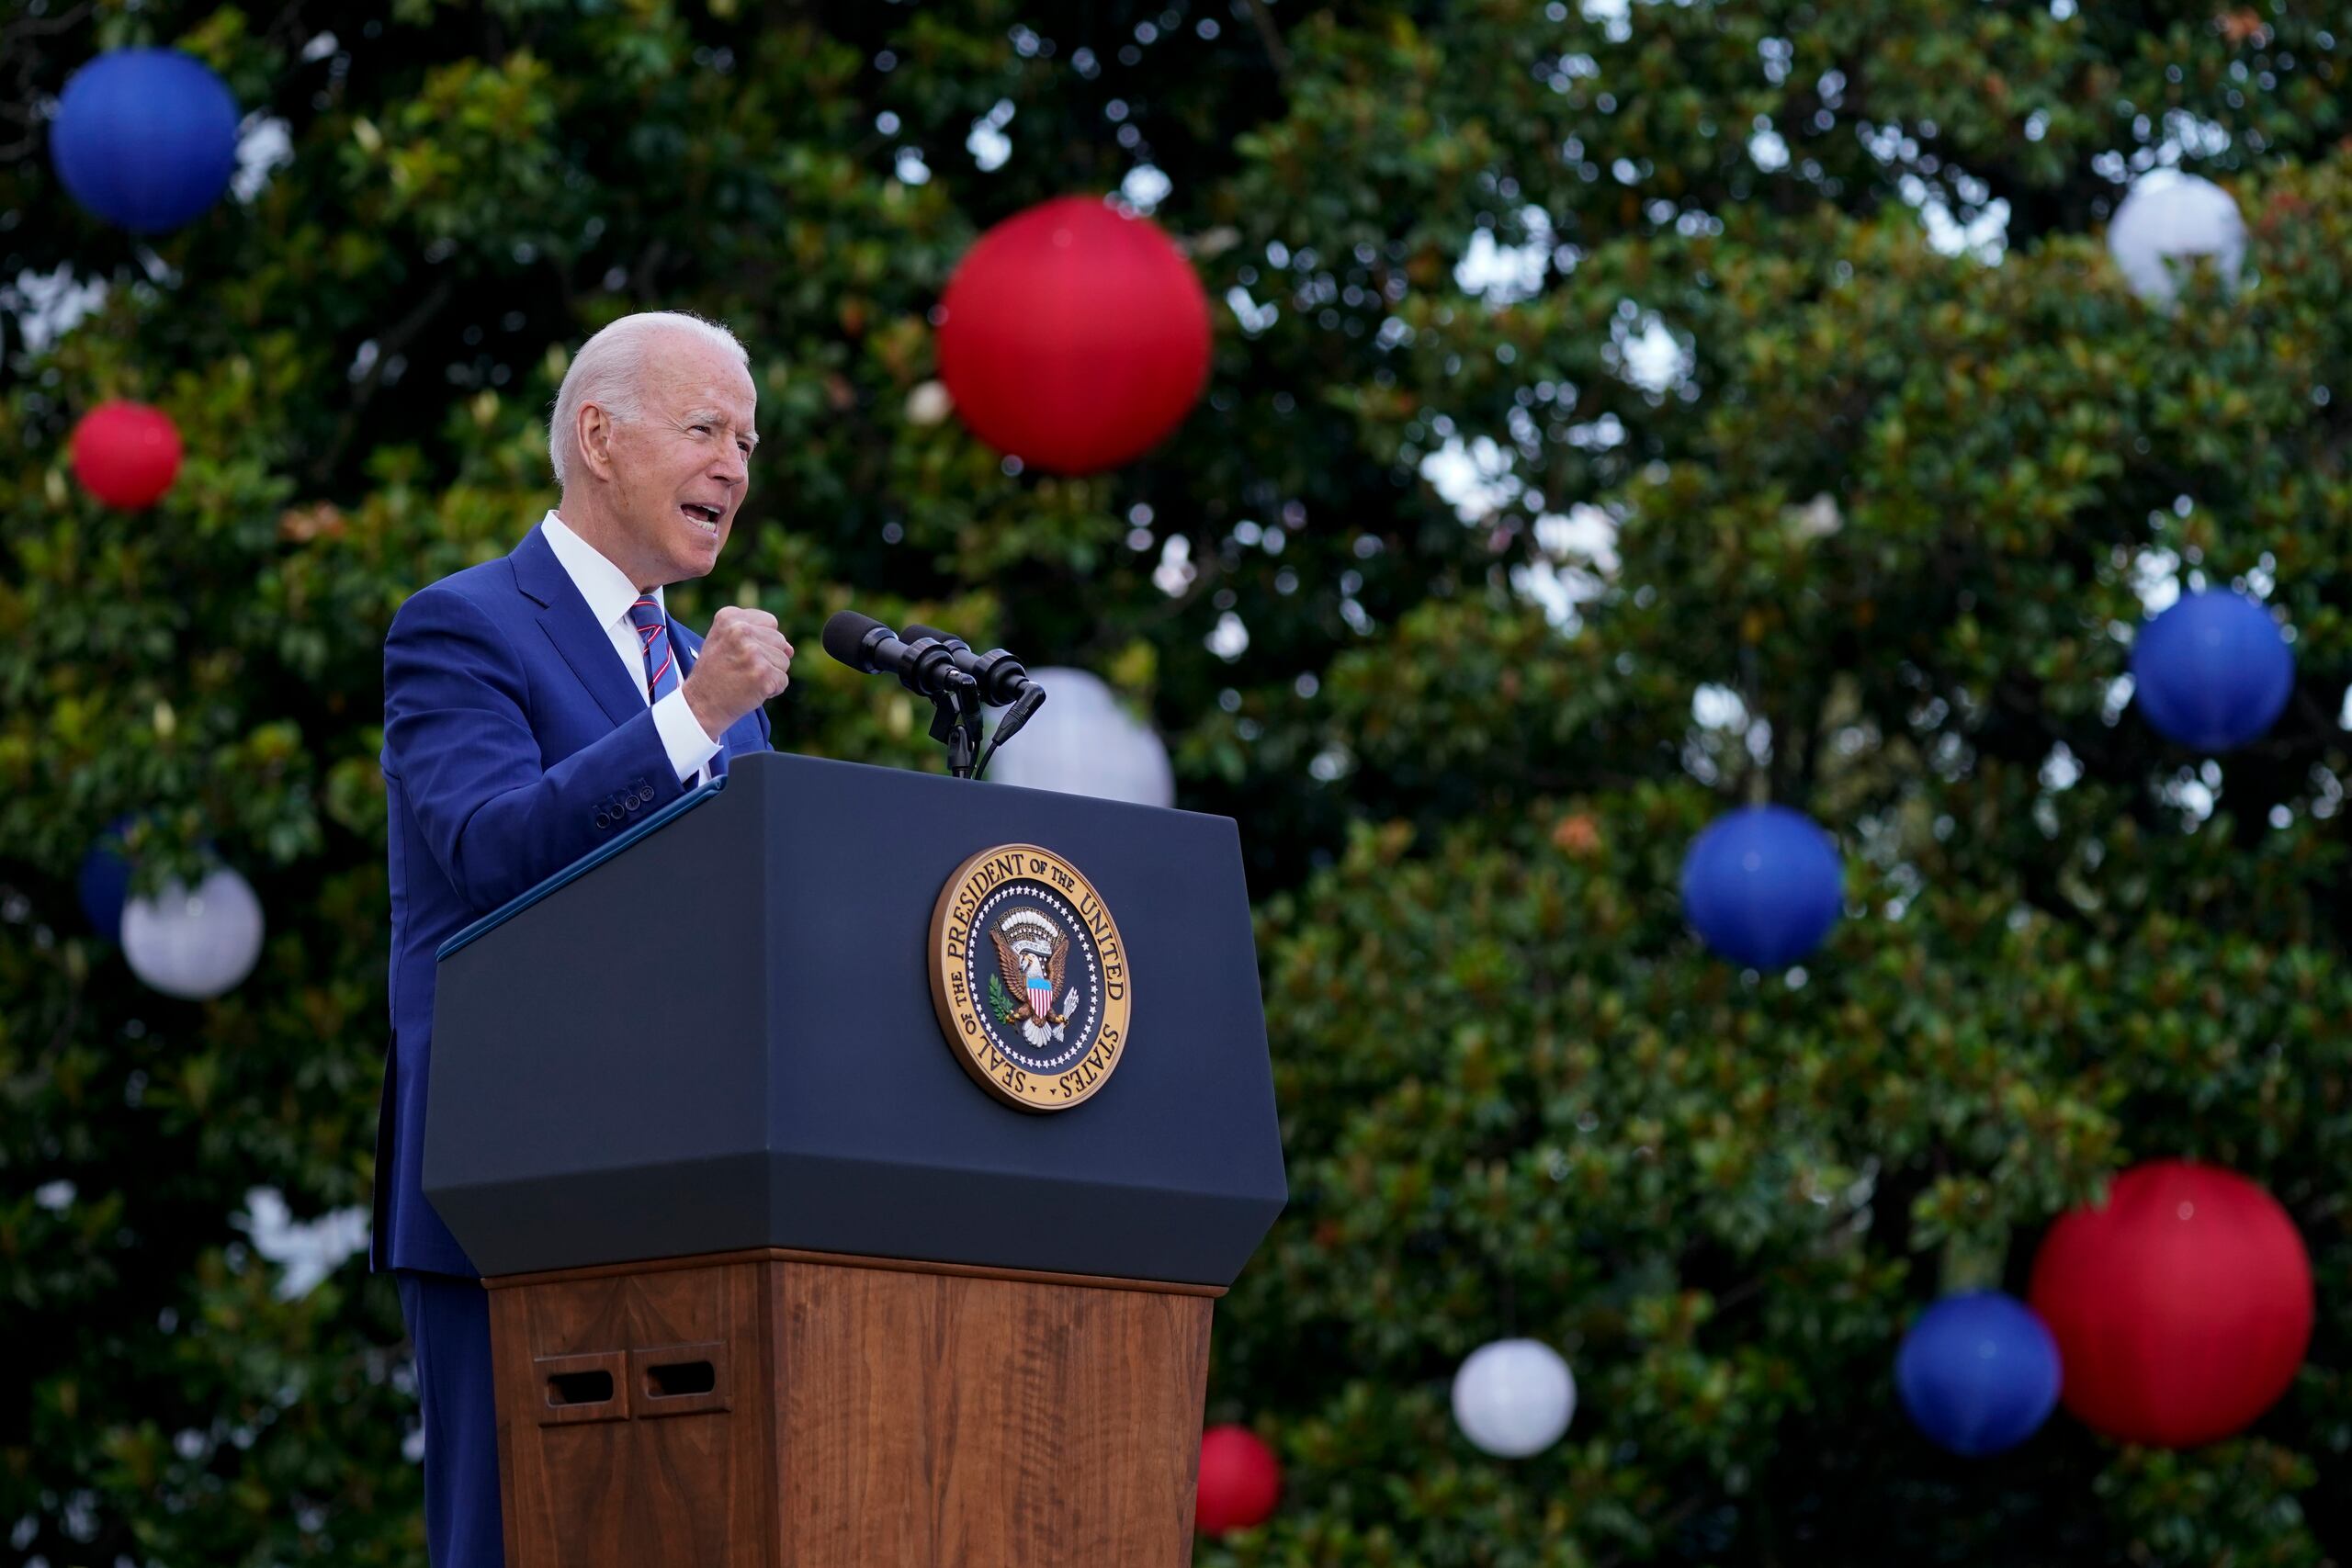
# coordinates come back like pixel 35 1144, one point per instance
pixel 609 371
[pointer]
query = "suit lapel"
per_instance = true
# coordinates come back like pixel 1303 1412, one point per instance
pixel 569 624
pixel 565 617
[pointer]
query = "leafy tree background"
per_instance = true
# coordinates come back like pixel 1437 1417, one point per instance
pixel 1794 438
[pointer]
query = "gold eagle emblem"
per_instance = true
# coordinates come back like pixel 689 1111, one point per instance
pixel 1014 966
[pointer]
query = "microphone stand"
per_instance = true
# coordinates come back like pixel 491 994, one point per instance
pixel 957 723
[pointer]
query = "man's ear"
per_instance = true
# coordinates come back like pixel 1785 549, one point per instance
pixel 595 433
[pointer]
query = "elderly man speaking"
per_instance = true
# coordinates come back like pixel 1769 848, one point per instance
pixel 534 706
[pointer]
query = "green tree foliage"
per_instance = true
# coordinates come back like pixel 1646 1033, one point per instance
pixel 1776 498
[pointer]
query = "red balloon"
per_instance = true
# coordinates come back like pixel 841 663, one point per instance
pixel 2182 1306
pixel 127 453
pixel 1074 336
pixel 1239 1480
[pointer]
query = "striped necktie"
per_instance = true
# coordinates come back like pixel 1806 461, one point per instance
pixel 661 662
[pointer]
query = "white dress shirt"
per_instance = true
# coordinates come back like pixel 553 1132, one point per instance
pixel 610 596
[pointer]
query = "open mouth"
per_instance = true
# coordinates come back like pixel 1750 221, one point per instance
pixel 705 517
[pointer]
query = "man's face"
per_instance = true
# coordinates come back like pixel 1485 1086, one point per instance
pixel 681 468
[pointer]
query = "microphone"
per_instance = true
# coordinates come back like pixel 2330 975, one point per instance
pixel 1001 678
pixel 866 646
pixel 1004 683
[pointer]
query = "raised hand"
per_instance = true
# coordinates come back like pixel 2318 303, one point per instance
pixel 745 660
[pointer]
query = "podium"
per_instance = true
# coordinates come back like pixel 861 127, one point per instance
pixel 852 1156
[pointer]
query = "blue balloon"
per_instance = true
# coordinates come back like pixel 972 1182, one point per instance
pixel 1762 885
pixel 1978 1373
pixel 104 882
pixel 2212 671
pixel 145 137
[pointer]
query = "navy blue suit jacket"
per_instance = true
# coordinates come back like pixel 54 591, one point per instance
pixel 515 742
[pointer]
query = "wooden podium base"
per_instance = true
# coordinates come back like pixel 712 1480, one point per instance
pixel 775 1409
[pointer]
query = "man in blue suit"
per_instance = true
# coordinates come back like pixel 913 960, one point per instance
pixel 534 706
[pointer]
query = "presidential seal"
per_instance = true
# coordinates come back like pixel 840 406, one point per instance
pixel 1029 978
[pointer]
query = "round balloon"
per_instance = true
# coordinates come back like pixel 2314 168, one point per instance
pixel 1084 742
pixel 1978 1373
pixel 1514 1397
pixel 2213 671
pixel 1762 885
pixel 1241 1481
pixel 145 137
pixel 196 943
pixel 127 455
pixel 1074 336
pixel 2170 219
pixel 2182 1305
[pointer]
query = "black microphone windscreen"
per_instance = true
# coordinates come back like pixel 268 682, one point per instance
pixel 845 636
pixel 917 633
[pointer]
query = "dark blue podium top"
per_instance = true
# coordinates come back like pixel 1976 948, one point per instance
pixel 720 1035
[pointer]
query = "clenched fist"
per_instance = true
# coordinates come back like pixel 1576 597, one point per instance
pixel 745 660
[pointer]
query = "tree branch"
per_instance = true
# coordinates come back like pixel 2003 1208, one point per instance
pixel 1271 36
pixel 14 47
pixel 388 347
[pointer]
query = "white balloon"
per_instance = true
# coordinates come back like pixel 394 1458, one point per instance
pixel 1514 1397
pixel 195 945
pixel 1083 742
pixel 2169 218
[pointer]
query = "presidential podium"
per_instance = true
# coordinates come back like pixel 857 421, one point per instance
pixel 854 1155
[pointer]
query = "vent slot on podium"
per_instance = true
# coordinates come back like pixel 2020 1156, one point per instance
pixel 580 1388
pixel 584 1388
pixel 679 1377
pixel 679 1380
